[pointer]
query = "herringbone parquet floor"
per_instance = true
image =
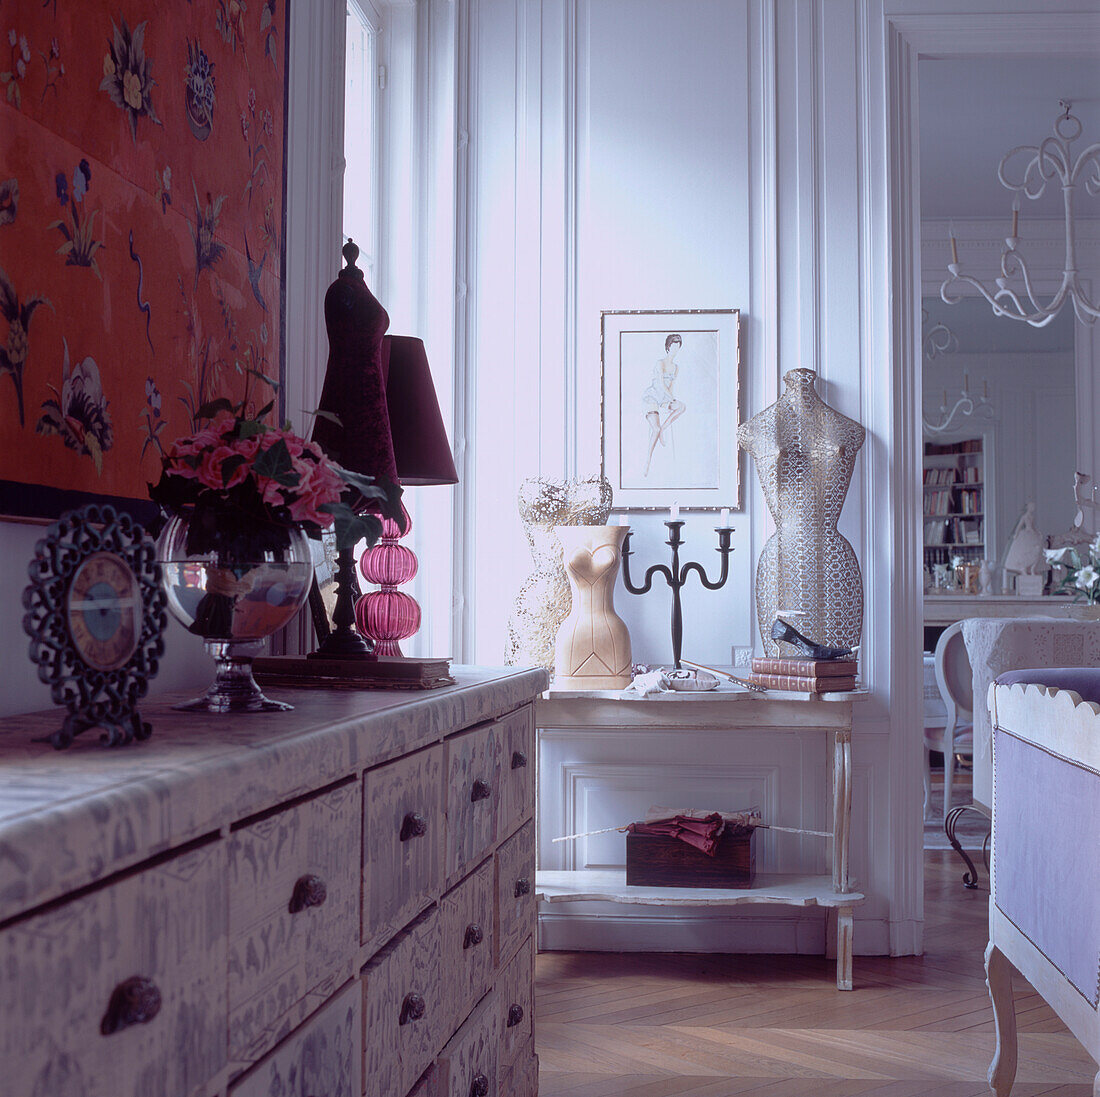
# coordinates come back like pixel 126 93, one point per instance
pixel 653 1025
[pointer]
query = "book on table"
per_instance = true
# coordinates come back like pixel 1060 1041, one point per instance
pixel 804 666
pixel 836 683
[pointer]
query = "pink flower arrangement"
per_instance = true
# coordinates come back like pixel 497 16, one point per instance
pixel 242 484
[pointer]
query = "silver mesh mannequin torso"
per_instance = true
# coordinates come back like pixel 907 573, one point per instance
pixel 808 574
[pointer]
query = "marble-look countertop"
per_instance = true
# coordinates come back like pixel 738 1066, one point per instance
pixel 72 817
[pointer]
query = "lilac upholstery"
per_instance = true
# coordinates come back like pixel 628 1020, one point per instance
pixel 1045 808
pixel 1084 681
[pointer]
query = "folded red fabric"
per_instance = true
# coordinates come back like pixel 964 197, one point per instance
pixel 702 834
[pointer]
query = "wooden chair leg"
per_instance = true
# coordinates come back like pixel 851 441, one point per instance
pixel 998 977
pixel 844 948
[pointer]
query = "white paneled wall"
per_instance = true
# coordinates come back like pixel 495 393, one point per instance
pixel 641 154
pixel 759 155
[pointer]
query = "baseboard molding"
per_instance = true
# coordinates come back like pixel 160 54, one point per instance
pixel 905 937
pixel 803 933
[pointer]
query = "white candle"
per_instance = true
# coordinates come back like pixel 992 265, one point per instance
pixel 675 512
pixel 623 521
pixel 725 522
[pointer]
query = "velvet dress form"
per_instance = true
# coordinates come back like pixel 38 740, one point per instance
pixel 355 388
pixel 808 574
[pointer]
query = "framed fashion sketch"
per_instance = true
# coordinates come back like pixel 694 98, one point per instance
pixel 671 407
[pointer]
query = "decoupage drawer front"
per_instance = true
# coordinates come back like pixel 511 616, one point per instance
pixel 120 992
pixel 467 920
pixel 514 989
pixel 468 1065
pixel 422 1088
pixel 402 842
pixel 473 791
pixel 521 1079
pixel 322 1057
pixel 517 770
pixel 293 916
pixel 405 1009
pixel 515 888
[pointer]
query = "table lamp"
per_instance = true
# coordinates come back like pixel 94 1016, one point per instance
pixel 422 456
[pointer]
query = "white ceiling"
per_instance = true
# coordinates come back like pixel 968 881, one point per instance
pixel 973 111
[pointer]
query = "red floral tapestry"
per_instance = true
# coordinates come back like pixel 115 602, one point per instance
pixel 142 183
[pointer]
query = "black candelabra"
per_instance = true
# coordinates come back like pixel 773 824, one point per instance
pixel 676 576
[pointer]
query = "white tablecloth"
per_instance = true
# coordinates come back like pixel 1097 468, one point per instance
pixel 998 644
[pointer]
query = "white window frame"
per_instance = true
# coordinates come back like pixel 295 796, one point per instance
pixel 370 70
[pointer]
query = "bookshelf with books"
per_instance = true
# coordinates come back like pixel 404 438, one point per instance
pixel 954 501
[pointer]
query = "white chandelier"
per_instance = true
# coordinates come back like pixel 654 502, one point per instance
pixel 937 339
pixel 1049 160
pixel 965 407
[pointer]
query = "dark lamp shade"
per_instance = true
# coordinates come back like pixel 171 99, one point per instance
pixel 420 447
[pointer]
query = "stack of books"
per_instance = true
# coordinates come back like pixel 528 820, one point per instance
pixel 804 674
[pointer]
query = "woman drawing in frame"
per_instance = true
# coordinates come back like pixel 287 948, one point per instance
pixel 662 407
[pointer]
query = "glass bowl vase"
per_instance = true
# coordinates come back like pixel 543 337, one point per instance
pixel 234 595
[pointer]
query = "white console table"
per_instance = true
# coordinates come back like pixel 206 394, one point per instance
pixel 727 717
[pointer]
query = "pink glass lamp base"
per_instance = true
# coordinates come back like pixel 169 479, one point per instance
pixel 388 615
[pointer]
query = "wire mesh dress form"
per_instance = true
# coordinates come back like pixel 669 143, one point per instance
pixel 544 600
pixel 808 574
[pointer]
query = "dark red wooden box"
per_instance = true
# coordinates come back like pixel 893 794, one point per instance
pixel 656 860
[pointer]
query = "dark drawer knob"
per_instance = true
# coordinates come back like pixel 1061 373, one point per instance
pixel 523 887
pixel 134 1002
pixel 412 1008
pixel 480 791
pixel 309 891
pixel 515 1015
pixel 479 1087
pixel 519 759
pixel 474 936
pixel 414 825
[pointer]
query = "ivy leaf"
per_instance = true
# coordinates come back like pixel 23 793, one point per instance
pixel 331 416
pixel 249 428
pixel 365 485
pixel 350 527
pixel 276 464
pixel 230 466
pixel 265 409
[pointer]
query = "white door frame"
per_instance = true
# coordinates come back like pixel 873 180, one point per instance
pixel 908 35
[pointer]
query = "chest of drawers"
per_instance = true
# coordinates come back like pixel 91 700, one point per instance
pixel 337 900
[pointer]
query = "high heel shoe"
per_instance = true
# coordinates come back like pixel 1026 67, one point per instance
pixel 785 631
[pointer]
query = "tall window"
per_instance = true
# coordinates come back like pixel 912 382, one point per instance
pixel 361 132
